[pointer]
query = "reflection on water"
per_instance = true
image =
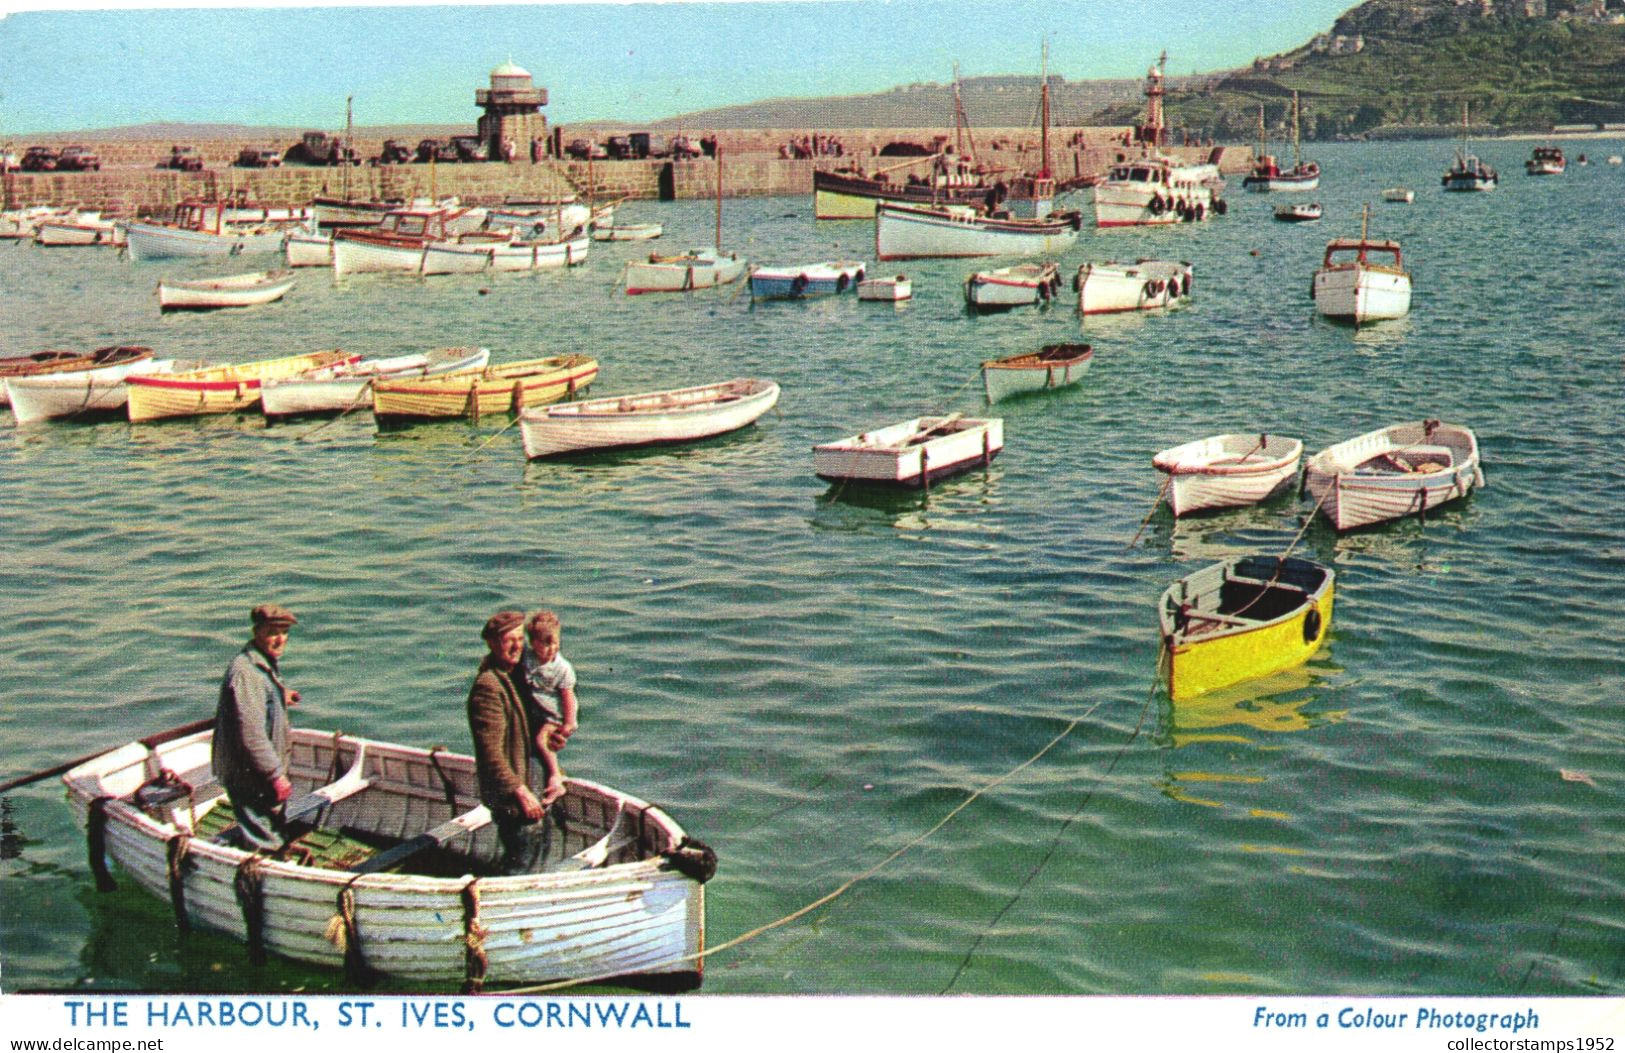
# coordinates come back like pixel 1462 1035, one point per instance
pixel 951 504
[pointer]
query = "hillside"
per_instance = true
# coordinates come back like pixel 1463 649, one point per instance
pixel 1416 63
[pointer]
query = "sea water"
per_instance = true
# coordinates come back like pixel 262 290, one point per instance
pixel 812 678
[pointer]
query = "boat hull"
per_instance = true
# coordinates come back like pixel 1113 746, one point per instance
pixel 54 233
pixel 1112 288
pixel 352 256
pixel 1138 203
pixel 841 196
pixel 228 389
pixel 151 241
pixel 1353 486
pixel 475 394
pixel 887 456
pixel 683 274
pixel 309 250
pixel 628 232
pixel 1290 622
pixel 1023 373
pixel 903 233
pixel 1360 294
pixel 798 283
pixel 248 291
pixel 886 290
pixel 1008 287
pixel 635 915
pixel 82 393
pixel 463 258
pixel 317 394
pixel 653 418
pixel 1227 471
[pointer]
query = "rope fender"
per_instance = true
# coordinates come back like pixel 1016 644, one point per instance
pixel 176 850
pixel 96 843
pixel 249 884
pixel 693 859
pixel 474 959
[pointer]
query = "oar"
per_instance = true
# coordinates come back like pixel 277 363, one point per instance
pixel 150 741
pixel 468 822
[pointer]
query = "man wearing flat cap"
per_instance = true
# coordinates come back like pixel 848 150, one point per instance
pixel 501 726
pixel 251 730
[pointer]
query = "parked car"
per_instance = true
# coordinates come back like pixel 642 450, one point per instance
pixel 470 148
pixel 319 148
pixel 436 150
pixel 394 152
pixel 183 158
pixel 259 157
pixel 78 159
pixel 645 144
pixel 620 148
pixel 582 149
pixel 684 148
pixel 40 159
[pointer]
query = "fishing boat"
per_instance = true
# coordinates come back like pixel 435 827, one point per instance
pixel 80 228
pixel 222 389
pixel 470 255
pixel 1467 172
pixel 1302 212
pixel 687 271
pixel 477 393
pixel 1242 619
pixel 1361 280
pixel 1149 285
pixel 1268 175
pixel 82 393
pixel 558 219
pixel 337 389
pixel 398 241
pixel 392 867
pixel 237 290
pixel 1401 470
pixel 1051 366
pixel 1007 287
pixel 627 232
pixel 1227 471
pixel 1399 195
pixel 51 363
pixel 906 232
pixel 888 290
pixel 1546 160
pixel 1153 190
pixel 306 249
pixel 648 419
pixel 199 228
pixel 800 282
pixel 913 453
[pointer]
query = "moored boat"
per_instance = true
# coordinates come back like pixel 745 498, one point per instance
pixel 1467 172
pixel 1242 619
pixel 852 194
pixel 222 389
pixel 304 249
pixel 396 242
pixel 337 389
pixel 1401 470
pixel 1051 366
pixel 1227 471
pixel 81 393
pixel 904 232
pixel 1399 195
pixel 810 279
pixel 477 393
pixel 1110 288
pixel 1302 212
pixel 50 363
pixel 80 228
pixel 236 290
pixel 1268 175
pixel 1153 191
pixel 1546 160
pixel 18 224
pixel 409 879
pixel 627 232
pixel 683 272
pixel 646 419
pixel 199 228
pixel 912 453
pixel 1361 280
pixel 887 290
pixel 470 255
pixel 1007 287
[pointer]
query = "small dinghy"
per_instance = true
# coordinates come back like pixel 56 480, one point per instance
pixel 1401 470
pixel 223 389
pixel 1241 619
pixel 1227 471
pixel 652 418
pixel 809 279
pixel 1399 195
pixel 1007 287
pixel 337 389
pixel 1305 212
pixel 913 453
pixel 886 289
pixel 48 363
pixel 1051 366
pixel 83 393
pixel 237 290
pixel 1107 288
pixel 476 393
pixel 394 859
pixel 627 232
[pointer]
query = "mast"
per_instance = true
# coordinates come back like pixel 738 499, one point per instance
pixel 1262 143
pixel 719 196
pixel 349 139
pixel 1043 97
pixel 962 132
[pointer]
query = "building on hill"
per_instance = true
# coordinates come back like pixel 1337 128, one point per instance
pixel 513 122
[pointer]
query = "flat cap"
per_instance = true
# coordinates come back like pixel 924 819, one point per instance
pixel 273 615
pixel 501 623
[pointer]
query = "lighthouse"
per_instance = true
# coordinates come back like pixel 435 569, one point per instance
pixel 1154 132
pixel 513 112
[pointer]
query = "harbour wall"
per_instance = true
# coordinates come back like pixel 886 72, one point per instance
pixel 130 182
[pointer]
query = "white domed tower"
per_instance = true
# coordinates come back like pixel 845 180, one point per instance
pixel 513 112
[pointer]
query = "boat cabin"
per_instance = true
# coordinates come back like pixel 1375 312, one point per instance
pixel 1387 252
pixel 1146 171
pixel 429 224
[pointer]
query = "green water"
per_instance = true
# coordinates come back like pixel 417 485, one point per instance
pixel 812 679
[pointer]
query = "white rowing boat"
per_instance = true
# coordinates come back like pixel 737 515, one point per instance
pixel 1007 287
pixel 1401 470
pixel 236 290
pixel 81 392
pixel 336 389
pixel 392 871
pixel 651 418
pixel 1227 471
pixel 1051 366
pixel 912 453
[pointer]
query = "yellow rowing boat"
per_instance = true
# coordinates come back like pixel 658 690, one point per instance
pixel 223 389
pixel 475 393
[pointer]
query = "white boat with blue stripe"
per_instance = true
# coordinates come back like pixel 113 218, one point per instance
pixel 811 279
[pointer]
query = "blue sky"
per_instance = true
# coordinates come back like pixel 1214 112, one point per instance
pixel 63 70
